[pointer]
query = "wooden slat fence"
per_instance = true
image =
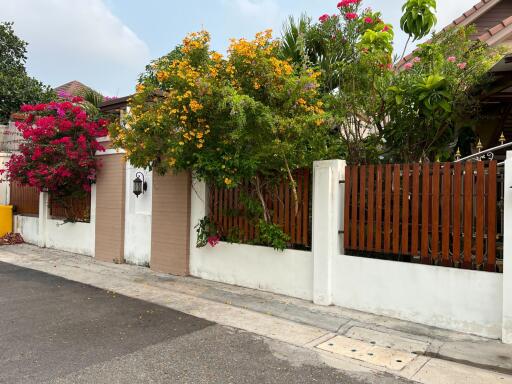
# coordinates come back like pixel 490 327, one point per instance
pixel 229 214
pixel 438 213
pixel 78 209
pixel 25 199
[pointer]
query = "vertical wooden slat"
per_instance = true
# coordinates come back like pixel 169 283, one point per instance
pixel 446 214
pixel 425 202
pixel 281 205
pixel 378 210
pixel 362 206
pixel 468 214
pixel 220 202
pixel 353 224
pixel 346 214
pixel 298 219
pixel 305 208
pixel 405 210
pixel 457 188
pixel 275 206
pixel 371 209
pixel 480 212
pixel 247 227
pixel 435 211
pixel 396 209
pixel 293 217
pixel 287 202
pixel 387 208
pixel 491 216
pixel 415 208
pixel 236 206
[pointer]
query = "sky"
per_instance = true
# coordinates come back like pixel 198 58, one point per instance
pixel 106 44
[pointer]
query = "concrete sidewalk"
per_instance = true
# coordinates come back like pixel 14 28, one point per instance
pixel 344 339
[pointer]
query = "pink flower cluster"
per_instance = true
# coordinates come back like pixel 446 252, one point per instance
pixel 58 153
pixel 462 65
pixel 347 3
pixel 213 240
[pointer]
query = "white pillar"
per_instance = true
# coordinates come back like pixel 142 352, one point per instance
pixel 92 219
pixel 198 209
pixel 43 218
pixel 507 253
pixel 328 207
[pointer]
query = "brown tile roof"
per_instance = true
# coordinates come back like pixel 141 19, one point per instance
pixel 494 30
pixel 73 88
pixel 471 11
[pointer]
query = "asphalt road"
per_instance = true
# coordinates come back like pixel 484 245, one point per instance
pixel 57 331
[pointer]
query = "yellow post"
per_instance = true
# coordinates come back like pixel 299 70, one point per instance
pixel 5 219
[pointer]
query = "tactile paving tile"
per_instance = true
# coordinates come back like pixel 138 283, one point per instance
pixel 355 349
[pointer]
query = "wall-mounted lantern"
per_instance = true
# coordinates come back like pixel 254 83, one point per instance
pixel 139 184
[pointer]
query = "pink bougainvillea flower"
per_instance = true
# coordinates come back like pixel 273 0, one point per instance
pixel 452 59
pixel 347 3
pixel 385 28
pixel 408 65
pixel 324 18
pixel 351 16
pixel 213 240
pixel 368 20
pixel 416 59
pixel 462 65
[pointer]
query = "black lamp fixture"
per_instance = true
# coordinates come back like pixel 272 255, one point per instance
pixel 139 184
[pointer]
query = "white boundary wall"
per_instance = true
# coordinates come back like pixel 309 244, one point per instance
pixel 46 232
pixel 288 273
pixel 461 300
pixel 450 298
pixel 4 184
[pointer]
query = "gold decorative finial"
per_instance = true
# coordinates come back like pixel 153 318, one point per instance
pixel 502 139
pixel 479 146
pixel 458 154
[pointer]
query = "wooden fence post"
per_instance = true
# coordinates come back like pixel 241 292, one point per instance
pixel 328 213
pixel 507 253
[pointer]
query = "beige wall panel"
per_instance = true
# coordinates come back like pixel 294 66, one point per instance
pixel 110 198
pixel 170 227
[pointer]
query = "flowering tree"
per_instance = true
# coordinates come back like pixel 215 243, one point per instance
pixel 248 116
pixel 353 51
pixel 57 155
pixel 435 95
pixel 379 110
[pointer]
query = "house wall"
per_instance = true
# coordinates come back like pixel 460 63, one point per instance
pixel 137 238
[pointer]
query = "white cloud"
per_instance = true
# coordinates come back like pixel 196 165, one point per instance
pixel 77 40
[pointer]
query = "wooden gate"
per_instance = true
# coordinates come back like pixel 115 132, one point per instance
pixel 437 213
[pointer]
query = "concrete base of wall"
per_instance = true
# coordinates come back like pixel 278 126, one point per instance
pixel 456 299
pixel 70 237
pixel 288 273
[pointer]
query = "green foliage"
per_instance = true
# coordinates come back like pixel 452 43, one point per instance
pixel 16 87
pixel 272 235
pixel 434 96
pixel 418 17
pixel 204 229
pixel 251 116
